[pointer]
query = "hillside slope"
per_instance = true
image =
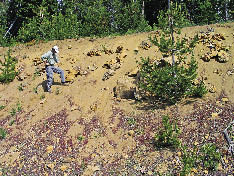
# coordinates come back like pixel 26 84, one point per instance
pixel 83 129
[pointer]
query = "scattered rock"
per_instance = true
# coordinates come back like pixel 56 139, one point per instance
pixel 145 45
pixel 119 49
pixel 108 74
pixel 22 76
pixel 43 101
pixel 92 68
pixel 63 168
pixel 131 133
pixel 225 99
pixel 211 88
pixel 94 53
pixel 134 72
pixel 69 47
pixel 49 149
pixel 75 107
pixel 124 89
pixel 51 166
pixel 71 75
pixel 37 61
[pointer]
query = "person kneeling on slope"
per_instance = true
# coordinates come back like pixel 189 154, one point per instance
pixel 50 58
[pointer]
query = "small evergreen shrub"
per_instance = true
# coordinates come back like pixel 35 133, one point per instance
pixel 168 134
pixel 168 84
pixel 162 81
pixel 7 68
pixel 210 157
pixel 189 160
pixel 3 133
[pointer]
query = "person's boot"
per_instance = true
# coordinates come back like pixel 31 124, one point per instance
pixel 64 83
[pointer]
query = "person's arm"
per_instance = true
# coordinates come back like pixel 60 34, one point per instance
pixel 56 59
pixel 45 57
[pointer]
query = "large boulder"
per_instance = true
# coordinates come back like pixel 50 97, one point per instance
pixel 125 88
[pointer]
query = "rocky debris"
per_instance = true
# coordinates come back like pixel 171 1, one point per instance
pixel 71 60
pixel 94 53
pixel 108 51
pixel 37 61
pixel 92 67
pixel 119 49
pixel 69 47
pixel 20 68
pixel 211 88
pixel 214 49
pixel 108 74
pixel 114 64
pixel 125 88
pixel 71 74
pixel 145 45
pixel 22 76
pixel 134 72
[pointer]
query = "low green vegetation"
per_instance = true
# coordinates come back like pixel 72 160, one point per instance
pixel 2 107
pixel 168 134
pixel 207 156
pixel 170 79
pixel 42 97
pixel 3 133
pixel 210 157
pixel 7 68
pixel 16 109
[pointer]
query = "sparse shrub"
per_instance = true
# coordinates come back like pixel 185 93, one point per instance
pixel 2 107
pixel 3 133
pixel 7 68
pixel 16 109
pixel 12 122
pixel 19 107
pixel 13 112
pixel 168 134
pixel 42 97
pixel 36 74
pixel 80 138
pixel 131 121
pixel 57 92
pixel 169 84
pixel 35 90
pixel 210 157
pixel 189 160
pixel 20 87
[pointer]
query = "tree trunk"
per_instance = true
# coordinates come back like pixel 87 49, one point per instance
pixel 143 8
pixel 172 31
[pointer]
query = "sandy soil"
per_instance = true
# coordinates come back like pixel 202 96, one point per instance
pixel 82 129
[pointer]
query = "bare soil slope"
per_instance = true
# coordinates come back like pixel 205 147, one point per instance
pixel 83 129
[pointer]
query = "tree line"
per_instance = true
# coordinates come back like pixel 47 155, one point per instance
pixel 24 20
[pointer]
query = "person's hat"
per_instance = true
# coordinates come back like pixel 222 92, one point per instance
pixel 56 49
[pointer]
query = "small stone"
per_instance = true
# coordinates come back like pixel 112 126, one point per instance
pixel 150 173
pixel 212 89
pixel 69 47
pixel 43 101
pixel 214 115
pixel 225 99
pixel 220 168
pixel 63 168
pixel 75 107
pixel 179 154
pixel 131 133
pixel 194 170
pixel 49 149
pixel 50 166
